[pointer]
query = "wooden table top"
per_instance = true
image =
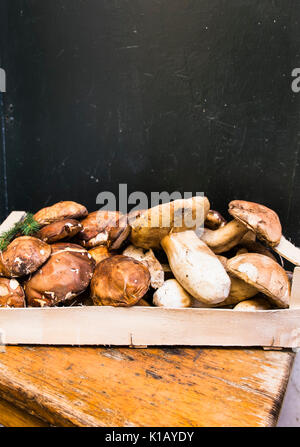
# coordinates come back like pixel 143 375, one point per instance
pixel 177 387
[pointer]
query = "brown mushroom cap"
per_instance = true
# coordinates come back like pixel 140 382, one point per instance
pixel 24 256
pixel 214 220
pixel 119 281
pixel 263 273
pixel 258 218
pixel 66 274
pixel 149 259
pixel 57 231
pixel 60 211
pixel 11 293
pixel 104 228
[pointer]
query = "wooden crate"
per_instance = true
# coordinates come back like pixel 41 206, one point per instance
pixel 150 326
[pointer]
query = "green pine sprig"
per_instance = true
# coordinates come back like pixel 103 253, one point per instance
pixel 27 227
pixel 30 226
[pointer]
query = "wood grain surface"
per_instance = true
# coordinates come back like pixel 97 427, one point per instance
pixel 12 416
pixel 182 387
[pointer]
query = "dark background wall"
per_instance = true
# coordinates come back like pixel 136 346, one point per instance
pixel 188 95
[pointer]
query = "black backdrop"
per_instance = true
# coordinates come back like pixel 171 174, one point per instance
pixel 187 95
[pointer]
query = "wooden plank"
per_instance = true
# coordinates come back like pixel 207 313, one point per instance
pixel 12 416
pixel 295 294
pixel 11 220
pixel 150 326
pixel 182 387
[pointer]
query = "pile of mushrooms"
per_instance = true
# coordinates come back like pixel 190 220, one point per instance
pixel 148 258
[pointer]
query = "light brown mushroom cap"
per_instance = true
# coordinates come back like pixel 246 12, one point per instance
pixel 258 218
pixel 66 274
pixel 154 224
pixel 119 281
pixel 255 304
pixel 23 256
pixel 263 273
pixel 60 211
pixel 57 231
pixel 239 289
pixel 11 293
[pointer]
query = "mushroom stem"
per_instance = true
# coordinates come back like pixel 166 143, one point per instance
pixel 225 237
pixel 288 251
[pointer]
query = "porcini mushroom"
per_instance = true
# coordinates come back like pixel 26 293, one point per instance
pixel 119 281
pixel 172 294
pixel 100 253
pixel 255 304
pixel 11 293
pixel 265 223
pixel 60 211
pixel 196 267
pixel 264 274
pixel 154 224
pixel 225 238
pixel 57 231
pixel 214 220
pixel 66 274
pixel 104 227
pixel 148 258
pixel 23 256
pixel 240 290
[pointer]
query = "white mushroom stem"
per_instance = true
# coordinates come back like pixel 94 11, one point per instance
pixel 225 237
pixel 196 267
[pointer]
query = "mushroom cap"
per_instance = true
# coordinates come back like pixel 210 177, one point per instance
pixel 149 259
pixel 214 220
pixel 11 293
pixel 104 227
pixel 24 256
pixel 60 211
pixel 172 294
pixel 57 231
pixel 255 304
pixel 263 273
pixel 66 274
pixel 258 218
pixel 119 281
